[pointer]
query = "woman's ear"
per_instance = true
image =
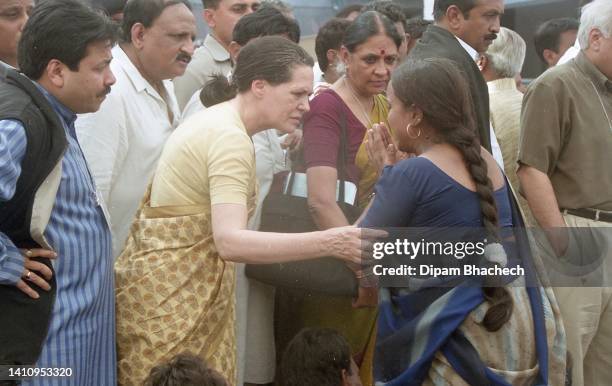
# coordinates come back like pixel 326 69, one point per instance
pixel 415 116
pixel 258 88
pixel 344 55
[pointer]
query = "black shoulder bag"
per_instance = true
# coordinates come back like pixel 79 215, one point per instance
pixel 285 213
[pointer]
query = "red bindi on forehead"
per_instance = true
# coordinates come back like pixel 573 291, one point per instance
pixel 382 52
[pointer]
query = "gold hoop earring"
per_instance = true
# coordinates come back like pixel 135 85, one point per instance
pixel 408 132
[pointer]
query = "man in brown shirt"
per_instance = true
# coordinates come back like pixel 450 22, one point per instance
pixel 565 172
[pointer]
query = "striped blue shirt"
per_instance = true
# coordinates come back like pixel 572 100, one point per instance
pixel 82 330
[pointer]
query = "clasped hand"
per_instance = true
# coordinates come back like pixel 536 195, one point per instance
pixel 381 147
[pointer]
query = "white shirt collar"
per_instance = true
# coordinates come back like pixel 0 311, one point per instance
pixel 217 51
pixel 570 53
pixel 504 84
pixel 121 58
pixel 139 83
pixel 469 49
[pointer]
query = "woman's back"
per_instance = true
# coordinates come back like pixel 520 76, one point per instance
pixel 418 193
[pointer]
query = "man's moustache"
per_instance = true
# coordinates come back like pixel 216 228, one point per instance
pixel 105 92
pixel 184 57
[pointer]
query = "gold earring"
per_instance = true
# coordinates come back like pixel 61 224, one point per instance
pixel 408 132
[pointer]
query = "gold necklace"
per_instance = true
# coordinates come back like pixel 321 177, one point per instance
pixel 354 95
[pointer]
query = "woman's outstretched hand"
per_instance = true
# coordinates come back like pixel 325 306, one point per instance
pixel 352 244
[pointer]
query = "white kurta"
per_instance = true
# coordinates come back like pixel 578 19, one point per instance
pixel 123 140
pixel 254 300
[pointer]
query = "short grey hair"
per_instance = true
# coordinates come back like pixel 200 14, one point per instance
pixel 596 15
pixel 507 53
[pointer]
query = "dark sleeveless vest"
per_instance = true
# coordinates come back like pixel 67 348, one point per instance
pixel 24 321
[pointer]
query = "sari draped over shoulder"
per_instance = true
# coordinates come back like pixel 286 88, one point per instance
pixel 435 336
pixel 174 293
pixel 369 173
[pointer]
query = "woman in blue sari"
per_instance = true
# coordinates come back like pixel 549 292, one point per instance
pixel 476 331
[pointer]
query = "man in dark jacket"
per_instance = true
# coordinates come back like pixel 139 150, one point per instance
pixel 463 30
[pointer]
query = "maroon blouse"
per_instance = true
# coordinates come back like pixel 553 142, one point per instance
pixel 322 133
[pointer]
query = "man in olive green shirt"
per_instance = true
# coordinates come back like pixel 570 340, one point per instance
pixel 565 172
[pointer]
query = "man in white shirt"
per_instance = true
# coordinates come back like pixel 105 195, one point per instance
pixel 213 57
pixel 122 142
pixel 13 16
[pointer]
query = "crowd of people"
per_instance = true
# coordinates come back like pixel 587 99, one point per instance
pixel 135 166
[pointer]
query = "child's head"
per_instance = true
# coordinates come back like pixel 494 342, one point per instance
pixel 185 369
pixel 319 357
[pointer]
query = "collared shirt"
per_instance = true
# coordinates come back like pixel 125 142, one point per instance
pixel 212 58
pixel 195 103
pixel 570 53
pixel 469 49
pixel 124 139
pixel 270 158
pixel 505 101
pixel 82 330
pixel 193 106
pixel 495 148
pixel 566 133
pixel 319 76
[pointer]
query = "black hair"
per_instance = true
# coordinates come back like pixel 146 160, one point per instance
pixel 269 58
pixel 416 26
pixel 184 369
pixel 441 6
pixel 278 4
pixel 144 12
pixel 266 21
pixel 110 7
pixel 548 34
pixel 391 10
pixel 344 12
pixel 62 30
pixel 329 37
pixel 441 91
pixel 315 356
pixel 366 25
